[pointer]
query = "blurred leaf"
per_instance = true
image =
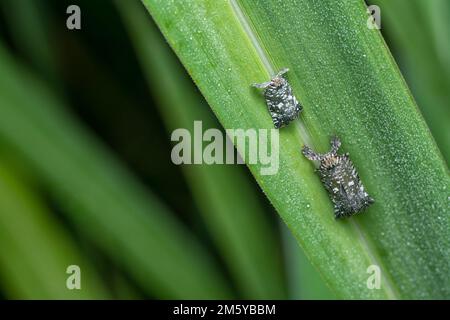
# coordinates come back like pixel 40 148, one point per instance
pixel 99 196
pixel 28 23
pixel 34 250
pixel 234 217
pixel 350 86
pixel 304 282
pixel 418 30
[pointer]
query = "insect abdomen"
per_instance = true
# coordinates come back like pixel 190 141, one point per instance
pixel 281 102
pixel 341 180
pixel 345 188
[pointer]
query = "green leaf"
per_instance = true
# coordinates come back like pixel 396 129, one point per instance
pixel 349 85
pixel 235 218
pixel 424 57
pixel 304 281
pixel 100 197
pixel 31 32
pixel 35 251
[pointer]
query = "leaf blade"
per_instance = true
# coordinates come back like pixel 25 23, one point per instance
pixel 100 197
pixel 235 219
pixel 329 45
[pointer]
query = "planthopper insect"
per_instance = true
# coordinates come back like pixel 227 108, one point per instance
pixel 281 102
pixel 341 180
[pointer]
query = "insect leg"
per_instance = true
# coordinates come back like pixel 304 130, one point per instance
pixel 310 154
pixel 335 144
pixel 262 85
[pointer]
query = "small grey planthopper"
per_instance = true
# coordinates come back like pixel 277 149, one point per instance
pixel 341 180
pixel 281 102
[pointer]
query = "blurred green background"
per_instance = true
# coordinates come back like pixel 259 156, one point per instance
pixel 85 171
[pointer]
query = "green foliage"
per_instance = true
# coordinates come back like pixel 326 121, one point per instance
pixel 33 266
pixel 349 85
pixel 66 199
pixel 103 200
pixel 418 30
pixel 235 219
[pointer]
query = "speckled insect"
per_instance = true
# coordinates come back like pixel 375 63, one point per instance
pixel 341 180
pixel 282 104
